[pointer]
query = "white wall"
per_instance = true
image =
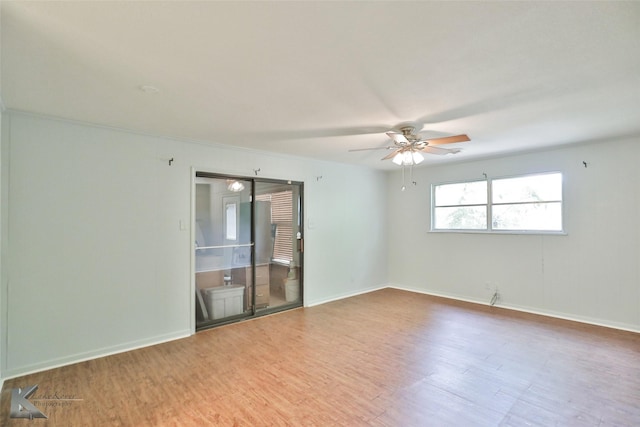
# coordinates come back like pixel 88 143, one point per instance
pixel 97 262
pixel 94 260
pixel 592 274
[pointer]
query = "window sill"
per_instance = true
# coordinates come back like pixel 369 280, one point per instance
pixel 520 232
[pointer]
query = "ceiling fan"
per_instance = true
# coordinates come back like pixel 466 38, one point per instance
pixel 409 144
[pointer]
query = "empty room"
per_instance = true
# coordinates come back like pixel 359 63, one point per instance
pixel 319 213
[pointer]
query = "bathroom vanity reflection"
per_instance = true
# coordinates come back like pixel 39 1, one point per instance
pixel 232 290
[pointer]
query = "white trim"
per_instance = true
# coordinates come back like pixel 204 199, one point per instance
pixel 90 355
pixel 192 254
pixel 494 232
pixel 5 166
pixel 588 321
pixel 343 296
pixel 439 295
pixel 184 334
pixel 585 320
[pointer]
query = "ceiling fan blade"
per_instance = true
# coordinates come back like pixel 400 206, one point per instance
pixel 392 154
pixel 440 151
pixel 448 139
pixel 373 148
pixel 398 137
pixel 289 134
pixel 429 134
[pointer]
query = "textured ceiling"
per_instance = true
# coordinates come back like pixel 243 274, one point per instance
pixel 320 78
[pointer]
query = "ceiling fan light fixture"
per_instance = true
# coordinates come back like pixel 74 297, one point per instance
pixel 409 145
pixel 408 158
pixel 417 157
pixel 398 159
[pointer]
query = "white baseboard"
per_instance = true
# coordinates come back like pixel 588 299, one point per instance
pixel 563 316
pixel 586 320
pixel 343 296
pixel 440 295
pixel 96 354
pixel 81 357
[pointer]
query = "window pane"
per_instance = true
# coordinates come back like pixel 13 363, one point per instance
pixel 461 218
pixel 533 188
pixel 529 216
pixel 231 215
pixel 464 193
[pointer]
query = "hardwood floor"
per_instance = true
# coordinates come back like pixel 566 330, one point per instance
pixel 387 358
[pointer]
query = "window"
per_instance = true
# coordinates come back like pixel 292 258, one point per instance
pixel 531 202
pixel 231 216
pixel 524 203
pixel 461 206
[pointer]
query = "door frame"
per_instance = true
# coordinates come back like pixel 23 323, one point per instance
pixel 205 173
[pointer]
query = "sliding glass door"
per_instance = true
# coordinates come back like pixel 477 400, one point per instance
pixel 248 247
pixel 278 266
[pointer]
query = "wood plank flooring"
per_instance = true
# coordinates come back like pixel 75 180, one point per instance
pixel 387 358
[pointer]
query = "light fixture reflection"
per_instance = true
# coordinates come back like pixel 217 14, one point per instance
pixel 235 186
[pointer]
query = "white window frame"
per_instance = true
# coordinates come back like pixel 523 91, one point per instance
pixel 489 207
